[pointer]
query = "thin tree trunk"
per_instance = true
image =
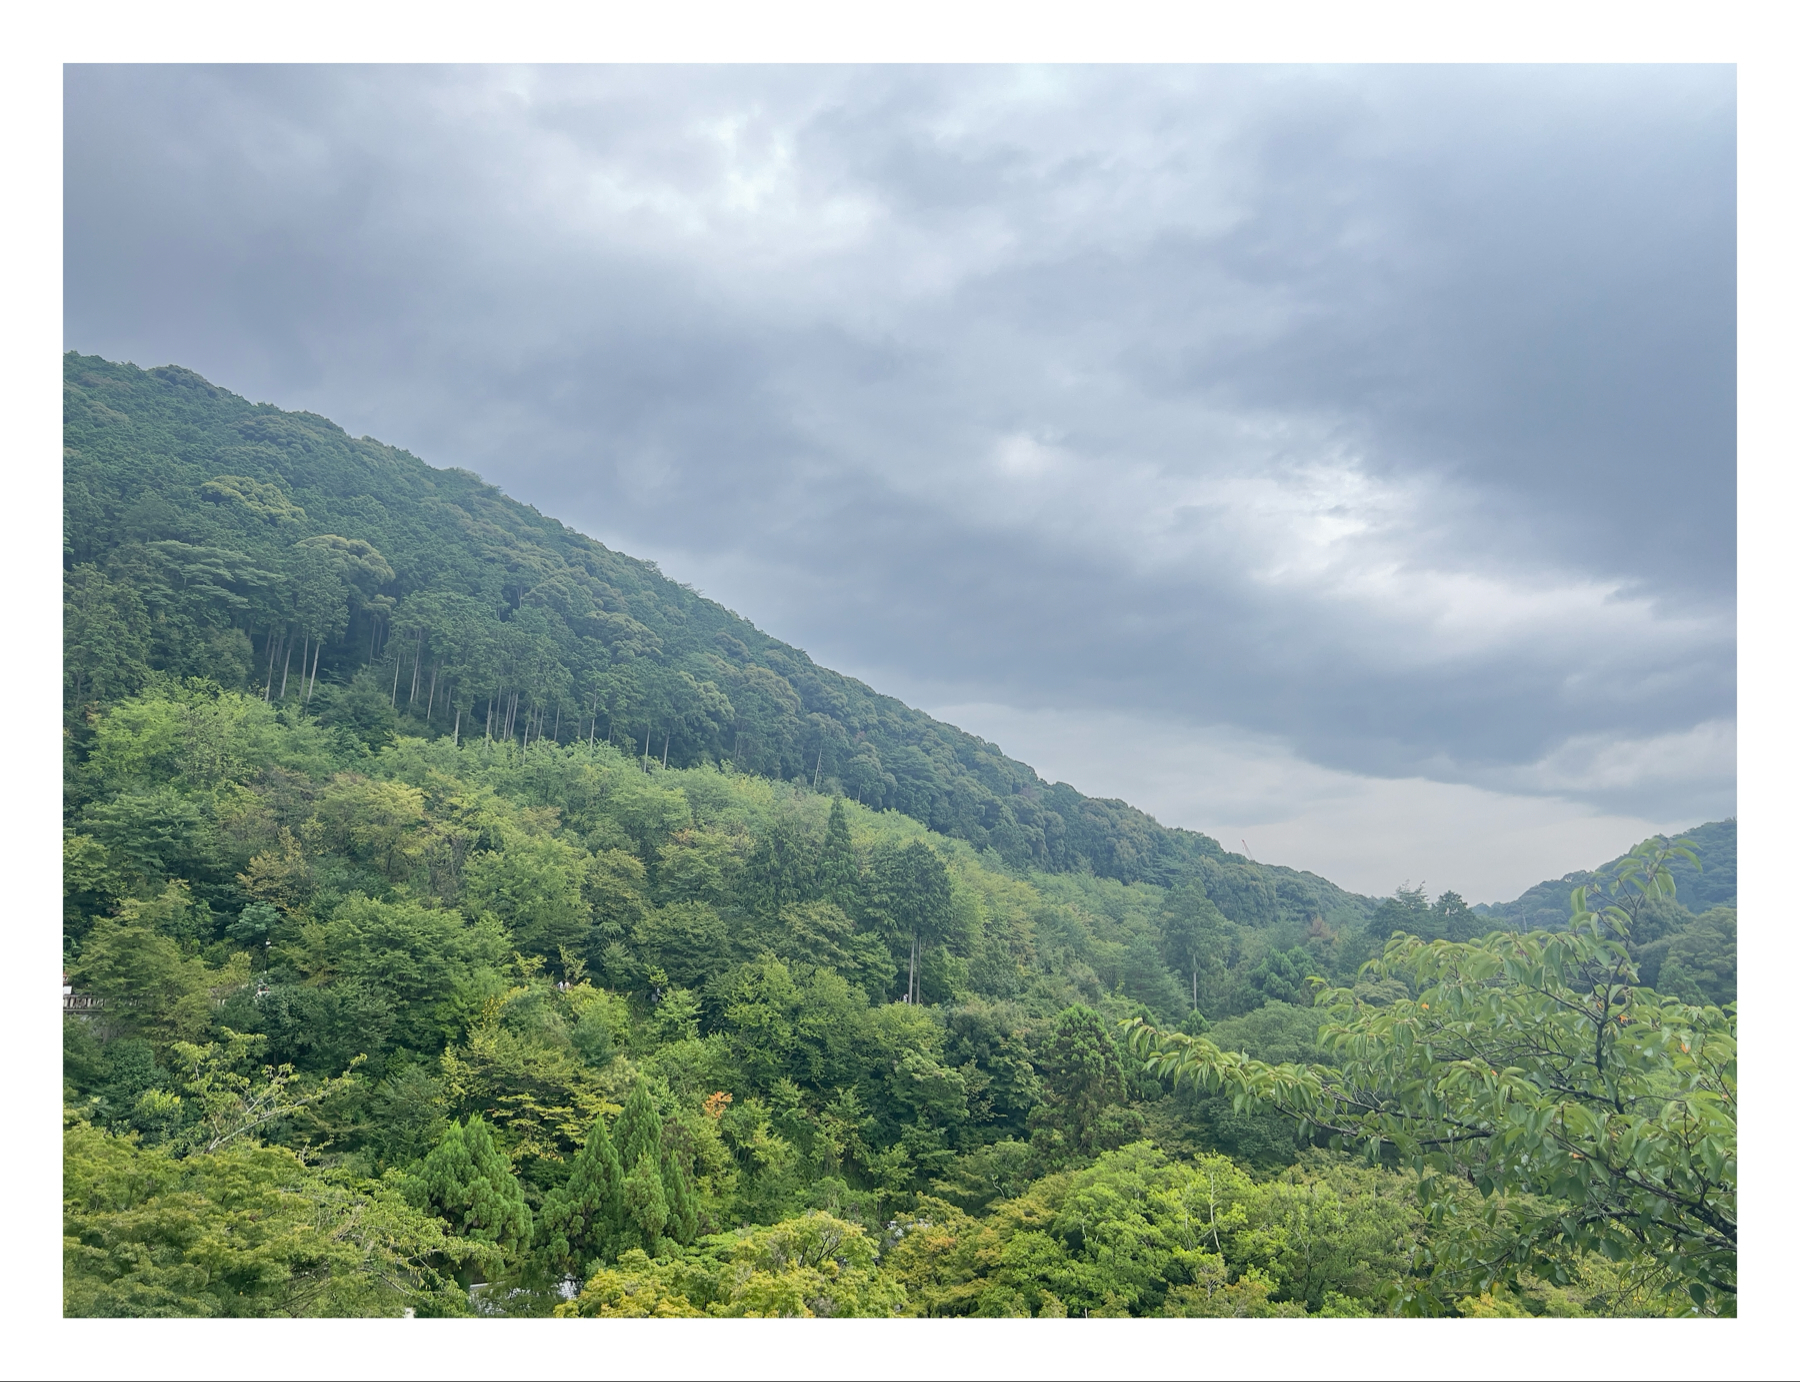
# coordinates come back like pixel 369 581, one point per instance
pixel 431 698
pixel 646 750
pixel 286 662
pixel 556 733
pixel 816 767
pixel 269 680
pixel 418 652
pixel 394 695
pixel 456 734
pixel 314 680
pixel 665 752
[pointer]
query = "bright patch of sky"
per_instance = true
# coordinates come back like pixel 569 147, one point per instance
pixel 1340 459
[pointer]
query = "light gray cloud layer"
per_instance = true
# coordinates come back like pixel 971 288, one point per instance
pixel 1386 415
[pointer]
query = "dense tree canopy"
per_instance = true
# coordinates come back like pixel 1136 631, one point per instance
pixel 464 918
pixel 207 536
pixel 1592 1114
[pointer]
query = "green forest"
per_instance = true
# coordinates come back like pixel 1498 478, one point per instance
pixel 461 918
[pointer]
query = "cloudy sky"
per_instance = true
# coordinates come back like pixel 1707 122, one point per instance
pixel 1337 460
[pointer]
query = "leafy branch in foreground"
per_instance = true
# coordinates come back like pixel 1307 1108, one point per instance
pixel 231 1103
pixel 1592 1115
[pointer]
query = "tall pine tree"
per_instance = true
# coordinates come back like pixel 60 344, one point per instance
pixel 467 1182
pixel 646 1206
pixel 678 1192
pixel 639 1130
pixel 779 872
pixel 838 872
pixel 656 1196
pixel 580 1222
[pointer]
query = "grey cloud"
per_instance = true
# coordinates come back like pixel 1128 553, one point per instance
pixel 773 327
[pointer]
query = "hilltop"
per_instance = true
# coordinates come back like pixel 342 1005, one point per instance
pixel 456 911
pixel 225 539
pixel 1545 905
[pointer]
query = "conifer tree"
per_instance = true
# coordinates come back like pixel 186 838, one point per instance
pixel 837 860
pixel 657 1196
pixel 646 1206
pixel 468 1183
pixel 639 1129
pixel 678 1191
pixel 779 872
pixel 581 1219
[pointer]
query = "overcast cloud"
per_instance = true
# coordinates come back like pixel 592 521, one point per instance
pixel 1336 460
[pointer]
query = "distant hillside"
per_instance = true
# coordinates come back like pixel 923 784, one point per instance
pixel 1546 906
pixel 209 536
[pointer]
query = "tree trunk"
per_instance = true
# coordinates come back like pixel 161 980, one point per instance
pixel 269 681
pixel 286 662
pixel 418 652
pixel 665 752
pixel 456 734
pixel 314 679
pixel 394 695
pixel 431 699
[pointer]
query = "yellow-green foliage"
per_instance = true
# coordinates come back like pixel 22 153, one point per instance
pixel 250 1231
pixel 1141 1233
pixel 813 1266
pixel 304 945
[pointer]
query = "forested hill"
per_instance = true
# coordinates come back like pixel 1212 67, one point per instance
pixel 462 918
pixel 208 536
pixel 1713 884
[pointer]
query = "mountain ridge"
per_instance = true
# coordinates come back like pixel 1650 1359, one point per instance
pixel 239 525
pixel 1545 905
